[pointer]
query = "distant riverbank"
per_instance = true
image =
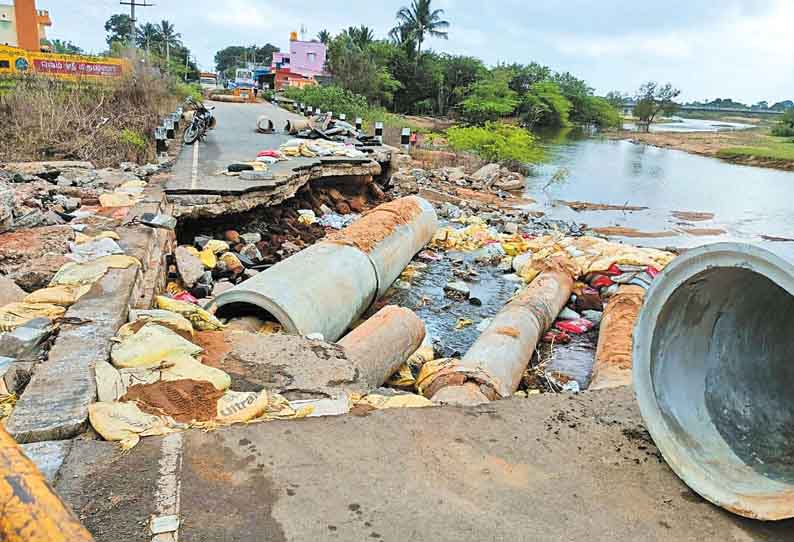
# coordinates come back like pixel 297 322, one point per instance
pixel 753 147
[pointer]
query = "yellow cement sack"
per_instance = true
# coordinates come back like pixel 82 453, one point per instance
pixel 109 385
pixel 149 346
pixel 117 199
pixel 63 295
pixel 217 246
pixel 81 238
pixel 398 400
pixel 201 319
pixel 14 315
pixel 405 377
pixel 173 321
pixel 74 273
pixel 126 423
pixel 177 367
pixel 237 407
pixel 208 258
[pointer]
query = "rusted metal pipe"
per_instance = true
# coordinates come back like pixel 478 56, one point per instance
pixel 384 342
pixel 612 367
pixel 712 366
pixel 499 357
pixel 32 511
pixel 326 287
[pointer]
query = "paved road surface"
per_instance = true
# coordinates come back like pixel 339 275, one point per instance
pixel 552 467
pixel 235 139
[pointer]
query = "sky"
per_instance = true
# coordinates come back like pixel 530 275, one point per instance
pixel 740 49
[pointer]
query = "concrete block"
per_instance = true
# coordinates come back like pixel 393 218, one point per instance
pixel 23 343
pixel 17 375
pixel 48 456
pixel 55 403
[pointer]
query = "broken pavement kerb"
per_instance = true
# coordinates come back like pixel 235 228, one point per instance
pixel 713 372
pixel 326 287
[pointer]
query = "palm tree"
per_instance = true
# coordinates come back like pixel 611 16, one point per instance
pixel 419 19
pixel 146 35
pixel 361 36
pixel 169 37
pixel 65 47
pixel 324 36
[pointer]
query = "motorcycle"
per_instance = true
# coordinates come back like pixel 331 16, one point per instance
pixel 202 121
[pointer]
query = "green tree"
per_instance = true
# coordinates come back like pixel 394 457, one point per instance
pixel 489 99
pixel 785 126
pixel 324 36
pixel 118 28
pixel 459 72
pixel 361 36
pixel 146 36
pixel 524 76
pixel 264 54
pixel 545 105
pixel 617 98
pixel 65 47
pixel 420 20
pixel 654 99
pixel 169 37
pixel 357 69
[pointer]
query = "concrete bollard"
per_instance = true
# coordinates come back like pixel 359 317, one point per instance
pixel 359 123
pixel 175 117
pixel 405 139
pixel 32 511
pixel 612 366
pixel 168 124
pixel 501 354
pixel 326 287
pixel 160 140
pixel 342 117
pixel 712 364
pixel 309 111
pixel 379 131
pixel 330 115
pixel 384 342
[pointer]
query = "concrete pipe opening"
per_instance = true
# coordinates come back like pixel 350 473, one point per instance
pixel 714 376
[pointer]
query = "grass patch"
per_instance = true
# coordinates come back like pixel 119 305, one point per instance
pixel 769 148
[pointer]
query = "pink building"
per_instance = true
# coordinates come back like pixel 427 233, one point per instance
pixel 306 58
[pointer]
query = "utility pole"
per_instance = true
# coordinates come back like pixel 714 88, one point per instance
pixel 133 4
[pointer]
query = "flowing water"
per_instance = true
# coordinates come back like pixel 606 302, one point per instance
pixel 747 202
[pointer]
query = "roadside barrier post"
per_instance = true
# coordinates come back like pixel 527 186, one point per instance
pixel 358 123
pixel 405 139
pixel 379 131
pixel 168 123
pixel 342 116
pixel 159 138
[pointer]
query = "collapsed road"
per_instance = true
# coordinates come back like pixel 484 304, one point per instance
pixel 166 382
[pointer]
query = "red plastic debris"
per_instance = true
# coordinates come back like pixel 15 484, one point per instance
pixel 271 153
pixel 577 327
pixel 601 281
pixel 613 270
pixel 186 296
pixel 652 271
pixel 556 336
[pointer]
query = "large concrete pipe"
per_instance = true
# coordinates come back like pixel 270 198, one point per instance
pixel 32 511
pixel 501 354
pixel 612 367
pixel 293 126
pixel 713 374
pixel 264 125
pixel 384 342
pixel 326 287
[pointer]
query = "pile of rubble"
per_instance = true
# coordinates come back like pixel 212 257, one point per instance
pixel 491 178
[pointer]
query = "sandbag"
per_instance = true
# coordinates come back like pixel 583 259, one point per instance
pixel 62 295
pixel 201 319
pixel 217 246
pixel 380 401
pixel 74 273
pixel 173 321
pixel 117 199
pixel 176 367
pixel 15 315
pixel 208 258
pixel 236 406
pixel 109 384
pixel 81 238
pixel 151 345
pixel 126 423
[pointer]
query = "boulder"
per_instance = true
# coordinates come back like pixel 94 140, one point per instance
pixel 486 173
pixel 189 265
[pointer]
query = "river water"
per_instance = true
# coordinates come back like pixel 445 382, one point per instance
pixel 747 202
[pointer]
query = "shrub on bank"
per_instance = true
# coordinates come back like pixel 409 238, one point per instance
pixel 496 142
pixel 105 123
pixel 333 98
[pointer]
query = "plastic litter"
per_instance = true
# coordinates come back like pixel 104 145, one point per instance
pixel 577 327
pixel 217 246
pixel 93 250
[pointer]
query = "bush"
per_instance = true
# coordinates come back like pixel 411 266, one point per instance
pixel 545 105
pixel 183 90
pixel 496 142
pixel 785 127
pixel 488 100
pixel 332 98
pixel 104 123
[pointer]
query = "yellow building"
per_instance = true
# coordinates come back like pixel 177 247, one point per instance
pixel 22 25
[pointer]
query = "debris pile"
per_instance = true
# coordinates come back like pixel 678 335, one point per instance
pixel 489 178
